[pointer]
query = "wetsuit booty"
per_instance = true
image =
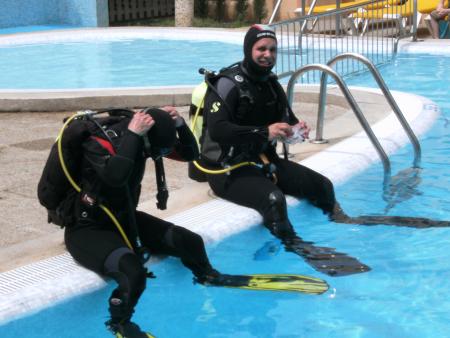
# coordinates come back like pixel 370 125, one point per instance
pixel 338 215
pixel 118 308
pixel 282 229
pixel 126 329
pixel 208 278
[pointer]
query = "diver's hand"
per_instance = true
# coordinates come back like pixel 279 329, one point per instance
pixel 279 131
pixel 141 123
pixel 173 112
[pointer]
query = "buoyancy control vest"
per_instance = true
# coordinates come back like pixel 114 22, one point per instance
pixel 253 107
pixel 55 191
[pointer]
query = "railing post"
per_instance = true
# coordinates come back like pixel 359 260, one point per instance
pixel 311 9
pixel 275 10
pixel 338 18
pixel 415 23
pixel 321 110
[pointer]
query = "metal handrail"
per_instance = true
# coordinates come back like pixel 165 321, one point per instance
pixel 386 92
pixel 352 102
pixel 275 11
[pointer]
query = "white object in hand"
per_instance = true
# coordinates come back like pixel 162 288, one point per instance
pixel 297 135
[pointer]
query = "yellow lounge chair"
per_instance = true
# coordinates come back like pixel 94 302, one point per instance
pixel 399 13
pixel 331 7
pixel 326 8
pixel 427 6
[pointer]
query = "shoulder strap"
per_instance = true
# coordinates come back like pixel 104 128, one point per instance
pixel 246 98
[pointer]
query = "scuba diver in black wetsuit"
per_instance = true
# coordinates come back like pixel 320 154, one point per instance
pixel 112 171
pixel 244 116
pixel 245 112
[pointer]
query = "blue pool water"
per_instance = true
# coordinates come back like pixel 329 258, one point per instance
pixel 403 296
pixel 29 29
pixel 116 63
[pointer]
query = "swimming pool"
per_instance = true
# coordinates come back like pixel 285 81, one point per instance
pixel 403 296
pixel 101 59
pixel 36 28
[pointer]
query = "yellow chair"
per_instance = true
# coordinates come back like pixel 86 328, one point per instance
pixel 427 6
pixel 328 8
pixel 391 11
pixel 398 13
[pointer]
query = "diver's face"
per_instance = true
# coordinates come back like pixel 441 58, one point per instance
pixel 264 52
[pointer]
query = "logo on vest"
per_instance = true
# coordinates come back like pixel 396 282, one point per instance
pixel 239 78
pixel 215 107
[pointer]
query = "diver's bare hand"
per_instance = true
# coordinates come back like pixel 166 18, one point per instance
pixel 141 123
pixel 279 131
pixel 173 112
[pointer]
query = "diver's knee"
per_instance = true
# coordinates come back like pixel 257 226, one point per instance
pixel 275 215
pixel 126 268
pixel 276 209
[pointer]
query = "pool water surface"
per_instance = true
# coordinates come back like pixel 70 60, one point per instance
pixel 111 63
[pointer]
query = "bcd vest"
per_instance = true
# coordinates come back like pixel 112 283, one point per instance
pixel 251 102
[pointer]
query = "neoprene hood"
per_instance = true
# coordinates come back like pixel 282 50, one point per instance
pixel 163 133
pixel 256 32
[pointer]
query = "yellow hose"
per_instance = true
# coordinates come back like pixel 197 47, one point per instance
pixel 77 188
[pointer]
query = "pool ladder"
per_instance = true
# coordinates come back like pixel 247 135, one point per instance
pixel 327 70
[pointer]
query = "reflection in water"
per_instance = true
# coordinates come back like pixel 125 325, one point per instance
pixel 402 187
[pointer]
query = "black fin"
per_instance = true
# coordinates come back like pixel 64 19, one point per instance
pixel 324 259
pixel 402 221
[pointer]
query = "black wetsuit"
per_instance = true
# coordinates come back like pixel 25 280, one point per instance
pixel 113 178
pixel 236 130
pixel 246 130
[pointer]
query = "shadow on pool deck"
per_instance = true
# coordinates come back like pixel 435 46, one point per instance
pixel 26 138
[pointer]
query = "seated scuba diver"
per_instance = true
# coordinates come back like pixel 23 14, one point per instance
pixel 246 112
pixel 111 175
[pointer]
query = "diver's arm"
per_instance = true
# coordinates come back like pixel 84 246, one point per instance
pixel 292 119
pixel 186 148
pixel 220 118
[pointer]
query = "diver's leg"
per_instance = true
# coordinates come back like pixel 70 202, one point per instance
pixel 302 182
pixel 323 259
pixel 165 238
pixel 105 252
pixel 246 186
pixel 299 181
pixel 252 189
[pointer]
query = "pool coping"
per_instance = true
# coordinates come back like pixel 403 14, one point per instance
pixel 30 288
